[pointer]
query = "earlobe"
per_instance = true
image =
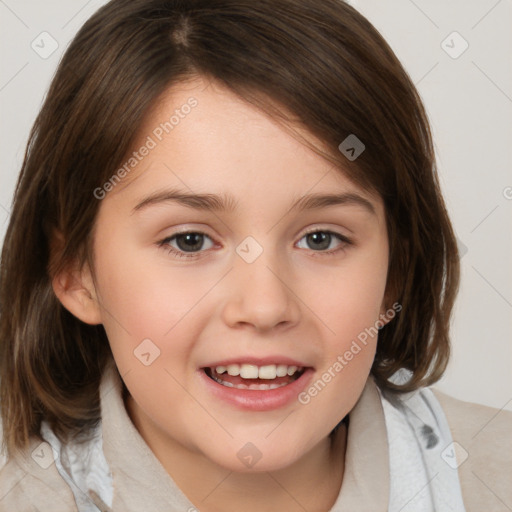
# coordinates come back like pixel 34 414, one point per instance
pixel 76 292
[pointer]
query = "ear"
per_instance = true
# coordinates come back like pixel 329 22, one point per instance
pixel 74 287
pixel 76 291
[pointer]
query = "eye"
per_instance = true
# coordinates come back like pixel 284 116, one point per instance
pixel 320 240
pixel 187 244
pixel 190 244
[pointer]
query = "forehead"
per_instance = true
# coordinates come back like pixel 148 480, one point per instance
pixel 202 137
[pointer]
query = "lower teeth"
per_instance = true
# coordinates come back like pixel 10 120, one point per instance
pixel 257 387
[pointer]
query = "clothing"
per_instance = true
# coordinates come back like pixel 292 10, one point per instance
pixel 399 457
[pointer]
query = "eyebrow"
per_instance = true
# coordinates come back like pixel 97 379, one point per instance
pixel 227 203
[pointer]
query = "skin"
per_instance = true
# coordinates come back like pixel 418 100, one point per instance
pixel 293 300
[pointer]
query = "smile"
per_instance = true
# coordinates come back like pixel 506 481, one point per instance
pixel 250 376
pixel 256 387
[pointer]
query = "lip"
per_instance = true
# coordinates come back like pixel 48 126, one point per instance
pixel 257 361
pixel 258 400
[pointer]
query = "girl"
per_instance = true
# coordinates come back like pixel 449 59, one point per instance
pixel 228 276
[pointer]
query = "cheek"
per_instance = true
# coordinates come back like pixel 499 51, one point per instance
pixel 349 308
pixel 349 299
pixel 351 314
pixel 142 299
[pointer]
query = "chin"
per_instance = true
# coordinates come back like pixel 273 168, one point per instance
pixel 260 455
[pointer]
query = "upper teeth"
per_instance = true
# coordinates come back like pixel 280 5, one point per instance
pixel 251 371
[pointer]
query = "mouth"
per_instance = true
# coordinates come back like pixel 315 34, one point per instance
pixel 253 377
pixel 256 387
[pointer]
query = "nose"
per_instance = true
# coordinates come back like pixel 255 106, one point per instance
pixel 260 295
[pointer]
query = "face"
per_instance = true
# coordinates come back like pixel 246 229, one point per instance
pixel 234 320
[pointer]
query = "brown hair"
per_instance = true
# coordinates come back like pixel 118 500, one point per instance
pixel 319 61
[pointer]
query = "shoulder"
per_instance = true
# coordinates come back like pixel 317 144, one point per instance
pixel 468 416
pixel 478 427
pixel 482 444
pixel 30 482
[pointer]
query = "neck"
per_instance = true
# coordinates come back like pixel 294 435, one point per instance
pixel 311 483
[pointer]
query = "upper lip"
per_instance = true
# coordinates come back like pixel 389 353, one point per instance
pixel 258 361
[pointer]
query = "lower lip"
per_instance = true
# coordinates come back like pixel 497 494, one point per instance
pixel 259 400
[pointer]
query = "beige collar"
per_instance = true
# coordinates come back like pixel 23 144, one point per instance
pixel 365 486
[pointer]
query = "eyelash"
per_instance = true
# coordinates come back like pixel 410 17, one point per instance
pixel 181 254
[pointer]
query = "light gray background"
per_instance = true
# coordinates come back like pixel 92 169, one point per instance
pixel 469 102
